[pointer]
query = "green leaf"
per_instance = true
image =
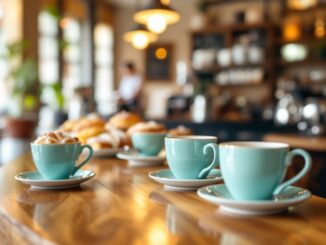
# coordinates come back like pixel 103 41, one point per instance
pixel 22 75
pixel 56 89
pixel 52 10
pixel 30 102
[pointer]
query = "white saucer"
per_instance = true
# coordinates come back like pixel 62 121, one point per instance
pixel 106 152
pixel 219 194
pixel 137 160
pixel 35 180
pixel 166 177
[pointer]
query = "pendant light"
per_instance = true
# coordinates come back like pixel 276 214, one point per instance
pixel 140 37
pixel 157 16
pixel 301 4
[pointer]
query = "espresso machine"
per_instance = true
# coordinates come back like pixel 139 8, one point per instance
pixel 313 117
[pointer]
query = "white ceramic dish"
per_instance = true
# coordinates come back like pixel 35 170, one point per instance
pixel 137 160
pixel 106 152
pixel 219 194
pixel 35 180
pixel 166 178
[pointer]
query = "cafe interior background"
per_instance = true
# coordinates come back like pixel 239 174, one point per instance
pixel 239 70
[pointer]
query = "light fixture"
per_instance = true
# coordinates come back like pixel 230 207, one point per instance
pixel 291 30
pixel 161 53
pixel 294 52
pixel 140 37
pixel 301 4
pixel 157 16
pixel 320 30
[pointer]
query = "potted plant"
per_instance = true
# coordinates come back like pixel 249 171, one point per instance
pixel 21 80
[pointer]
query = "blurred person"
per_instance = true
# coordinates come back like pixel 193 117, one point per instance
pixel 130 87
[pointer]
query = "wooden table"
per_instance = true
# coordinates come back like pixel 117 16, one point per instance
pixel 121 205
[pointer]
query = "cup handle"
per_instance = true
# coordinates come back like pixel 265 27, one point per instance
pixel 288 160
pixel 214 163
pixel 90 154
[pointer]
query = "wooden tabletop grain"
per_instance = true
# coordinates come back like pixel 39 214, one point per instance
pixel 121 205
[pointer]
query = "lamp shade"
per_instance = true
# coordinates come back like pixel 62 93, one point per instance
pixel 157 16
pixel 301 4
pixel 140 37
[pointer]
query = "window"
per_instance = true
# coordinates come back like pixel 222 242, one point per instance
pixel 48 48
pixel 71 55
pixel 48 67
pixel 104 96
pixel 3 71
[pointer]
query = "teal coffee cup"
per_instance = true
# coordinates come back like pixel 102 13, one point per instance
pixel 191 157
pixel 58 161
pixel 148 144
pixel 255 170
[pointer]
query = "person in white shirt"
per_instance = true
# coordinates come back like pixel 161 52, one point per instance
pixel 130 87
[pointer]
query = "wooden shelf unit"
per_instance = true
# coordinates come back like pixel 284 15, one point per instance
pixel 306 62
pixel 318 7
pixel 228 35
pixel 316 46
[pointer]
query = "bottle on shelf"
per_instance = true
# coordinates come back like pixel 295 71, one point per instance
pixel 319 27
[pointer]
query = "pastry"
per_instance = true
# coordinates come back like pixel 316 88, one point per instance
pixel 147 127
pixel 90 121
pixel 121 136
pixel 56 137
pixel 123 120
pixel 68 125
pixel 180 131
pixel 102 141
pixel 112 138
pixel 89 132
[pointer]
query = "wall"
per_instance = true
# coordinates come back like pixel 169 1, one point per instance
pixel 11 29
pixel 178 34
pixel 12 18
pixel 224 13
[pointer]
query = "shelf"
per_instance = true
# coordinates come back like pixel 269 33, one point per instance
pixel 303 62
pixel 233 27
pixel 246 85
pixel 306 40
pixel 216 68
pixel 217 2
pixel 305 11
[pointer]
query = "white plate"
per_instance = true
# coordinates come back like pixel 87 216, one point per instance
pixel 219 194
pixel 106 152
pixel 137 160
pixel 166 177
pixel 35 180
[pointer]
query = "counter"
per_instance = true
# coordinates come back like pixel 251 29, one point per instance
pixel 316 145
pixel 121 205
pixel 233 130
pixel 312 143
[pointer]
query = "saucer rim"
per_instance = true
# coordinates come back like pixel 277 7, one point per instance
pixel 106 152
pixel 141 163
pixel 150 174
pixel 179 189
pixel 17 177
pixel 63 187
pixel 126 156
pixel 227 201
